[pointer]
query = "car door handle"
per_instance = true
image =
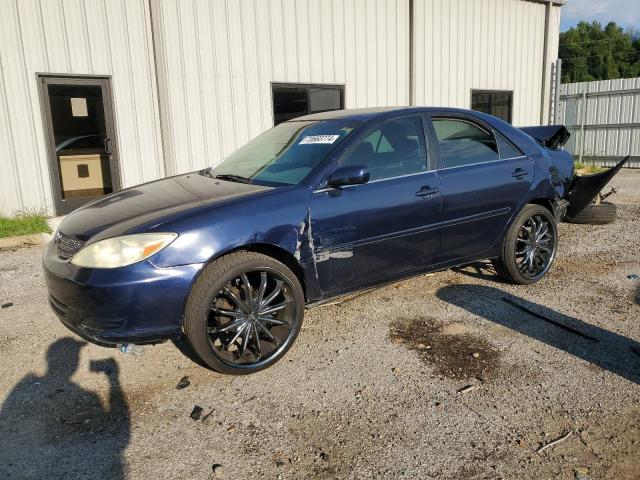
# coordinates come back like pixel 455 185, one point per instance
pixel 426 191
pixel 519 173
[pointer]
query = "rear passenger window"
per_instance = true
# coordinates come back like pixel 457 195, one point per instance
pixel 396 148
pixel 506 148
pixel 463 143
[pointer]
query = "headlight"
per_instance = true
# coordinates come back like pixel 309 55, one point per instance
pixel 121 251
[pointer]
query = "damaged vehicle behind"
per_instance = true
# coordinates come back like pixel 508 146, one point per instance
pixel 317 207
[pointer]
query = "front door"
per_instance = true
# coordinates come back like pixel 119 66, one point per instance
pixel 484 179
pixel 81 142
pixel 365 234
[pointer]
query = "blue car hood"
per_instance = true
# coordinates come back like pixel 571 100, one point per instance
pixel 148 204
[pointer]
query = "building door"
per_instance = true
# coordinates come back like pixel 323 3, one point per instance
pixel 81 142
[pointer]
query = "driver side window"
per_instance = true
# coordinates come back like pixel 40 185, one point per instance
pixel 394 149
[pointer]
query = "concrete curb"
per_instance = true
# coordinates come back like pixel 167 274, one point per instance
pixel 25 240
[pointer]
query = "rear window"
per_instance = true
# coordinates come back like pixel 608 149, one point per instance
pixel 463 143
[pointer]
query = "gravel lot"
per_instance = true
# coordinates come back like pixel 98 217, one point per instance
pixel 371 389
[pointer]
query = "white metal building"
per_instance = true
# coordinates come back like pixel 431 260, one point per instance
pixel 98 95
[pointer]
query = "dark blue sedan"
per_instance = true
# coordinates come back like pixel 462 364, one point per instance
pixel 314 208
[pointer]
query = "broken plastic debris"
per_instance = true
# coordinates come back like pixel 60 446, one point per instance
pixel 216 468
pixel 183 383
pixel 7 305
pixel 468 388
pixel 131 348
pixel 196 412
pixel 631 276
pixel 581 473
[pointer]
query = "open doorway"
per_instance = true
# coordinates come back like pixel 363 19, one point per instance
pixel 81 142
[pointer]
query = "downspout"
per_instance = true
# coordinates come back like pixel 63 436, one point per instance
pixel 161 88
pixel 545 52
pixel 412 96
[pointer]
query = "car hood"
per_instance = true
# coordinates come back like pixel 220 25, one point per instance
pixel 149 204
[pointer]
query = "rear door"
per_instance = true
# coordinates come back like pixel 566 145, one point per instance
pixel 484 179
pixel 364 234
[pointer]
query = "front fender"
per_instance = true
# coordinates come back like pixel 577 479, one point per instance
pixel 273 219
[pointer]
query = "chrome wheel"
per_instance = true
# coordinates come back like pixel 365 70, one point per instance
pixel 251 318
pixel 535 246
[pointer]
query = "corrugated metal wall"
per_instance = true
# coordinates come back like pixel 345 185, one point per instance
pixel 215 61
pixel 89 37
pixel 462 45
pixel 610 113
pixel 219 58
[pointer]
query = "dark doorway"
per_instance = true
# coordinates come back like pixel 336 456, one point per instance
pixel 291 100
pixel 79 124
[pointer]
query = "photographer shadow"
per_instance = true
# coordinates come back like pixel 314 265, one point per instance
pixel 51 427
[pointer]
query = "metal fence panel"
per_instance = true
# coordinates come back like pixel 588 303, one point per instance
pixel 604 120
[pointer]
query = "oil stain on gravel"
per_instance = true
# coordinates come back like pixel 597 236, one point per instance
pixel 450 349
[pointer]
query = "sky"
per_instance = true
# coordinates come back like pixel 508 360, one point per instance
pixel 625 13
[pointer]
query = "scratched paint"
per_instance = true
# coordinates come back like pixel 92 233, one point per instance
pixel 324 256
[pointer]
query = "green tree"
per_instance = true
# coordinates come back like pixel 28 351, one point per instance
pixel 591 52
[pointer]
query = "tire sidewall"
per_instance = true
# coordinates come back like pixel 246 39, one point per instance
pixel 601 213
pixel 210 283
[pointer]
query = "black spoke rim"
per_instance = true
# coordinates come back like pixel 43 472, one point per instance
pixel 535 246
pixel 251 318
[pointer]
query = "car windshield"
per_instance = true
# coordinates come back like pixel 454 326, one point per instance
pixel 285 154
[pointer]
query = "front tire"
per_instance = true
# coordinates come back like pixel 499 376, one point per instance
pixel 529 247
pixel 244 313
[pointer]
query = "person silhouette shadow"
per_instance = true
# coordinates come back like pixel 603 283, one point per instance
pixel 51 427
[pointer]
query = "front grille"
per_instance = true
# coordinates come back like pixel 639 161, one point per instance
pixel 68 246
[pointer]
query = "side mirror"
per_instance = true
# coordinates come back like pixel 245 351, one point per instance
pixel 355 175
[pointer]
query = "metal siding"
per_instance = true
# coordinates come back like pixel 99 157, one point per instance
pixel 219 59
pixel 92 37
pixel 216 60
pixel 611 114
pixel 462 45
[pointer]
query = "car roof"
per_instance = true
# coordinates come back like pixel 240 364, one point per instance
pixel 367 114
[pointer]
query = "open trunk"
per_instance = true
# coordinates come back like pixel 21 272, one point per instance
pixel 583 188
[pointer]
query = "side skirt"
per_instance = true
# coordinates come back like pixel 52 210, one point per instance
pixel 437 267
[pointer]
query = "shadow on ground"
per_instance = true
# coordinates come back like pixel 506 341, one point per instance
pixel 481 270
pixel 51 427
pixel 610 351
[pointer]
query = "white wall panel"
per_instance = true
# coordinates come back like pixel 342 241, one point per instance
pixel 88 37
pixel 220 57
pixel 215 61
pixel 462 45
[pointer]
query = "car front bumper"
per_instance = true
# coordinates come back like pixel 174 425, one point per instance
pixel 140 303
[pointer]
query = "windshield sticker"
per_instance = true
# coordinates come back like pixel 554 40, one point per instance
pixel 312 139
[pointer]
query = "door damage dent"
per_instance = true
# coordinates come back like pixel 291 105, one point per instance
pixel 584 188
pixel 304 243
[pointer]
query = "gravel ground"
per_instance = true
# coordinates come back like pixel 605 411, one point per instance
pixel 435 376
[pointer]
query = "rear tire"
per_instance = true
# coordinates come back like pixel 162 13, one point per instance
pixel 529 246
pixel 596 214
pixel 244 313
